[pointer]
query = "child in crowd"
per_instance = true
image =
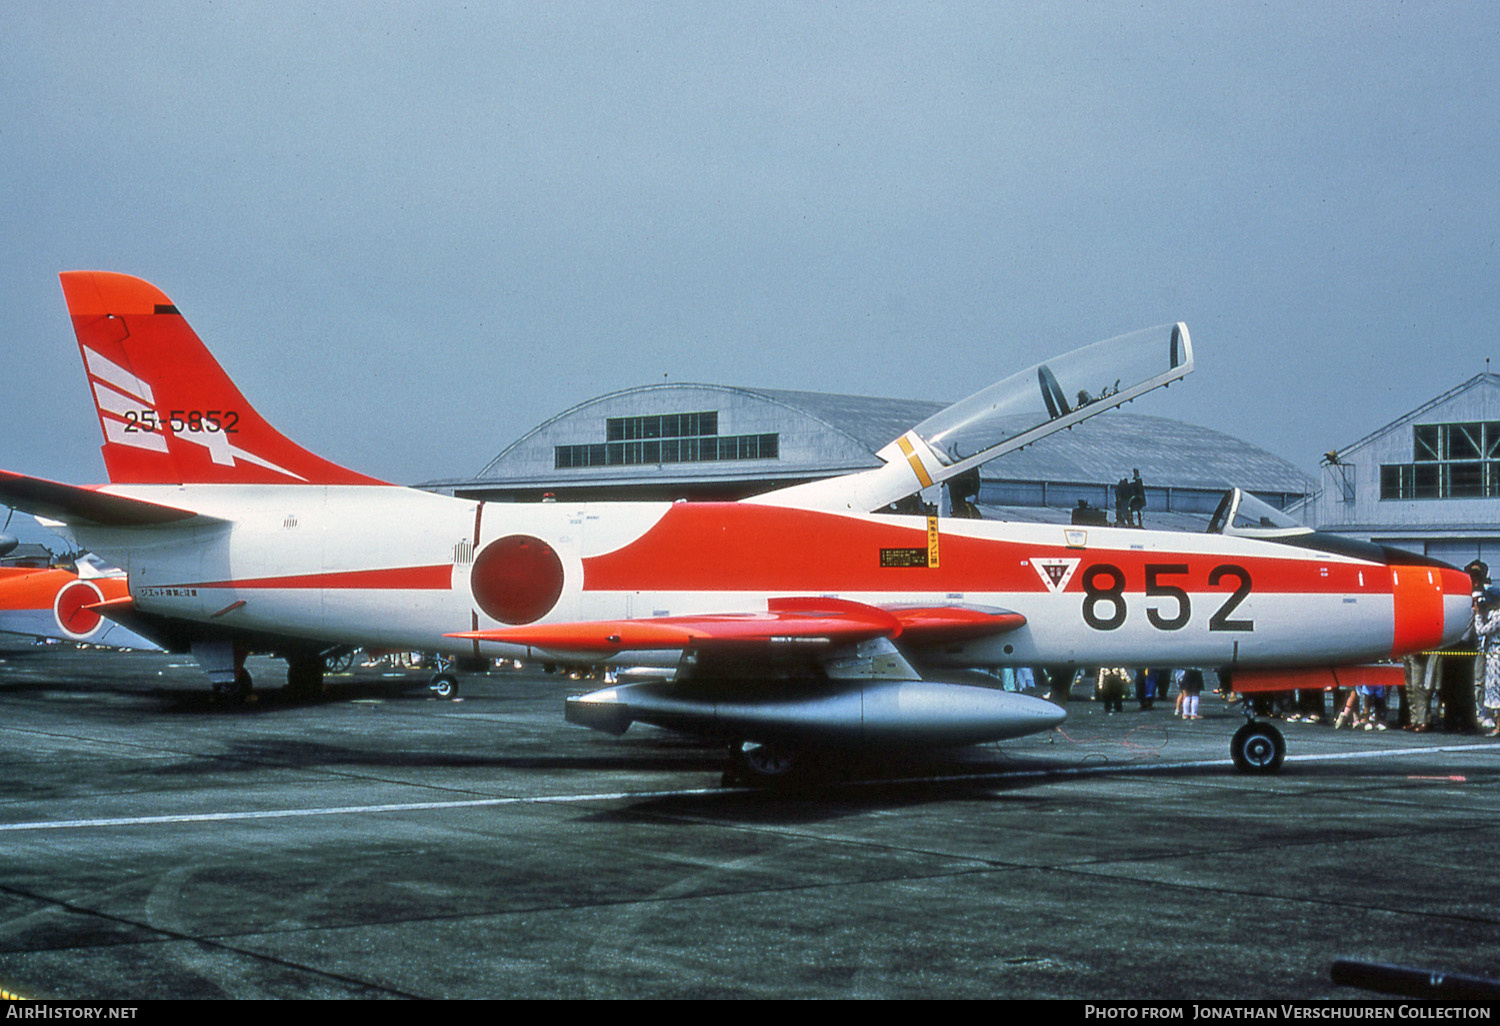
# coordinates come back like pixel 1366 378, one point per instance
pixel 1192 689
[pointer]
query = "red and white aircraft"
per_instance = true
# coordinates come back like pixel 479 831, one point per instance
pixel 802 618
pixel 58 604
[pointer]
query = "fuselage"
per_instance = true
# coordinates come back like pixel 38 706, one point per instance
pixel 397 567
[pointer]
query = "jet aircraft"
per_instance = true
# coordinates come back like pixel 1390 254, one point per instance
pixel 58 604
pixel 801 620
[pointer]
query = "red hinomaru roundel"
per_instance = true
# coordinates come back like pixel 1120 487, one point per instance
pixel 517 579
pixel 71 610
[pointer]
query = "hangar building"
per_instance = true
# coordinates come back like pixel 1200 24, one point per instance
pixel 1427 482
pixel 695 441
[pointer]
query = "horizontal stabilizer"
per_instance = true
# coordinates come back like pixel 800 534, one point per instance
pixel 74 505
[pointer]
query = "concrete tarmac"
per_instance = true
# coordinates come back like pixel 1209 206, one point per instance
pixel 381 842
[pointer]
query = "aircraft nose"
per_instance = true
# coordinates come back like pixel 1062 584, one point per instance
pixel 1430 606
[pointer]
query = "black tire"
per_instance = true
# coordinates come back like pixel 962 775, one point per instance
pixel 238 691
pixel 759 764
pixel 304 677
pixel 1257 748
pixel 444 685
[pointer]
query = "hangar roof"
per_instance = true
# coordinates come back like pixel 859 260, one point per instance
pixel 852 427
pixel 1168 452
pixel 846 430
pixel 873 422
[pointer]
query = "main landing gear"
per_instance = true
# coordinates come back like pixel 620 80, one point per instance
pixel 304 675
pixel 444 683
pixel 759 764
pixel 782 766
pixel 236 691
pixel 224 663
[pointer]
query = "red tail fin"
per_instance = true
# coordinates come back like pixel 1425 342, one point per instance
pixel 169 413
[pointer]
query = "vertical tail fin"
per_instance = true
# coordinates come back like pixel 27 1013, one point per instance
pixel 169 413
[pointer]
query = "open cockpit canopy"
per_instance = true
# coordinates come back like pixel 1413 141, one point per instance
pixel 1057 393
pixel 1013 412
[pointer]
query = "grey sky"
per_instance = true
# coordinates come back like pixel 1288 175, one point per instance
pixel 412 231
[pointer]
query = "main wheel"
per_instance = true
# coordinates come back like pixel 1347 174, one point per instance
pixel 764 765
pixel 1257 748
pixel 237 691
pixel 304 676
pixel 444 685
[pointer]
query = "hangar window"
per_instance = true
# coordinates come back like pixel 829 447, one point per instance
pixel 661 425
pixel 1449 461
pixel 657 439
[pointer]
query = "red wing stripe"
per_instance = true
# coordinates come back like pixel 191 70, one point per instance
pixel 406 578
pixel 789 620
pixel 935 625
pixel 603 636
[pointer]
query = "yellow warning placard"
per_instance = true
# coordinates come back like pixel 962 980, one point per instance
pixel 932 542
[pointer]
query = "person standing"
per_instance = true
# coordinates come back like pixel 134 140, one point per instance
pixel 1419 673
pixel 1471 714
pixel 1192 688
pixel 1145 688
pixel 1487 626
pixel 1137 499
pixel 1113 681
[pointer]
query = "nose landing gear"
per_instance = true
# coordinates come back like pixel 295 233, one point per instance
pixel 1257 747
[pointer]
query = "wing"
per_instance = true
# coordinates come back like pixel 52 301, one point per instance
pixel 806 670
pixel 812 623
pixel 946 625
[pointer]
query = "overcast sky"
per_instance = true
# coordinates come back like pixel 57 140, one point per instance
pixel 412 231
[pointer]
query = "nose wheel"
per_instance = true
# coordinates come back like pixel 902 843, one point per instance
pixel 1257 748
